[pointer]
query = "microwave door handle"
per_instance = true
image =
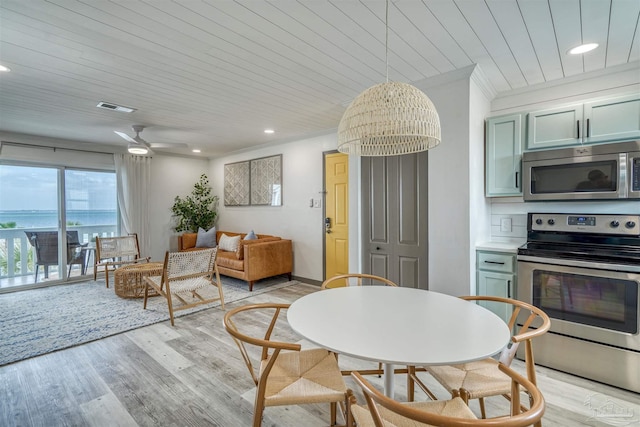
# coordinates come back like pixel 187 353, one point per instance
pixel 622 177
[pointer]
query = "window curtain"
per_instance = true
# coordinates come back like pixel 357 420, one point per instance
pixel 133 177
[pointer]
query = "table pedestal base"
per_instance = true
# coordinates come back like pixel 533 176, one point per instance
pixel 389 379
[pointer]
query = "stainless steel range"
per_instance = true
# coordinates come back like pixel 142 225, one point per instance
pixel 584 272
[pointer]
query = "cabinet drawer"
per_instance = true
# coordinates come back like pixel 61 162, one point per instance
pixel 495 262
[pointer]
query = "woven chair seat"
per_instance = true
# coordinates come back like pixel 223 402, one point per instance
pixel 299 377
pixel 181 286
pixel 455 408
pixel 479 379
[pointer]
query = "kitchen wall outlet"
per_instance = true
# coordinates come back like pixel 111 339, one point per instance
pixel 505 225
pixel 316 203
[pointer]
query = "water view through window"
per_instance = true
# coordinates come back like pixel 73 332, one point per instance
pixel 30 221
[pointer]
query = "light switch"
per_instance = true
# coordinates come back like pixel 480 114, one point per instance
pixel 310 203
pixel 505 225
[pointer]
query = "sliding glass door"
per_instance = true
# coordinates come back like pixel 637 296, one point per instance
pixel 49 218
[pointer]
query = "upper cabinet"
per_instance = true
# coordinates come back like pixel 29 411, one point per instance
pixel 614 119
pixel 504 138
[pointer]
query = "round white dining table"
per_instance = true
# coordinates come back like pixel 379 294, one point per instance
pixel 396 325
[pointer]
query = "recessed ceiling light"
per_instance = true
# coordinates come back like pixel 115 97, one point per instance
pixel 583 48
pixel 269 131
pixel 5 69
pixel 195 150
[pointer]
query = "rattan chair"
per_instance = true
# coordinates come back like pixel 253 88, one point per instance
pixel 113 252
pixel 186 273
pixel 285 374
pixel 477 380
pixel 383 411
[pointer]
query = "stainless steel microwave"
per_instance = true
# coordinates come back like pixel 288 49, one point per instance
pixel 587 172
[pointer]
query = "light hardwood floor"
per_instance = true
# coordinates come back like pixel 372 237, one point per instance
pixel 192 375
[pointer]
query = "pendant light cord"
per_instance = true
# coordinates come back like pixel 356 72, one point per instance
pixel 386 39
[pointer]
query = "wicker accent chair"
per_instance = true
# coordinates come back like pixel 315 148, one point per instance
pixel 480 379
pixel 113 252
pixel 383 411
pixel 186 273
pixel 285 374
pixel 361 279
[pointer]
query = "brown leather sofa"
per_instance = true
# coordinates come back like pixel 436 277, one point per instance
pixel 256 259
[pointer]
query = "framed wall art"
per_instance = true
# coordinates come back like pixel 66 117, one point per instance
pixel 266 181
pixel 236 184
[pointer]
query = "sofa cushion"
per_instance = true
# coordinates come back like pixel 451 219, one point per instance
pixel 206 239
pixel 243 243
pixel 250 236
pixel 229 243
pixel 229 260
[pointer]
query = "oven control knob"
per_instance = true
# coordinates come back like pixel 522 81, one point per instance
pixel 539 221
pixel 630 224
pixel 551 221
pixel 614 224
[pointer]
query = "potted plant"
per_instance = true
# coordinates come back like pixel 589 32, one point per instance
pixel 197 210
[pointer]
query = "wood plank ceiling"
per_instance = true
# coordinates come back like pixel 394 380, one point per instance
pixel 215 73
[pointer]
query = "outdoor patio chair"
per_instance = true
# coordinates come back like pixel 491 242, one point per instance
pixel 285 374
pixel 186 273
pixel 113 252
pixel 383 411
pixel 45 244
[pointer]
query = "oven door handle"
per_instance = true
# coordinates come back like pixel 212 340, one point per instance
pixel 626 268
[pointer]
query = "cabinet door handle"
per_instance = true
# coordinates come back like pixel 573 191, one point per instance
pixel 588 130
pixel 508 288
pixel 578 128
pixel 494 262
pixel 517 180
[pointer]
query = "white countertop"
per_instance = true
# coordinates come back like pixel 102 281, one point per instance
pixel 510 247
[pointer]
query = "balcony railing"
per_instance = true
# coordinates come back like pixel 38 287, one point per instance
pixel 15 249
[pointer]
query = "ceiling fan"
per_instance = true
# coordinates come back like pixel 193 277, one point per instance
pixel 137 145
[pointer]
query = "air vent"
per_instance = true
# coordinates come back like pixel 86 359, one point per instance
pixel 115 107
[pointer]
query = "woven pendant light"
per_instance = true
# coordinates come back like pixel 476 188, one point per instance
pixel 389 119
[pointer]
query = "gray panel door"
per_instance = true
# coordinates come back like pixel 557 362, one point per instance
pixel 394 201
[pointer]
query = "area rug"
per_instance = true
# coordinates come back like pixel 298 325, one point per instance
pixel 40 321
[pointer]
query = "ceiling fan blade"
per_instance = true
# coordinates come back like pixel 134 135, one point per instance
pixel 126 137
pixel 167 144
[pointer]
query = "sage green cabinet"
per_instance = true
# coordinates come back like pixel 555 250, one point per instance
pixel 615 119
pixel 503 145
pixel 496 276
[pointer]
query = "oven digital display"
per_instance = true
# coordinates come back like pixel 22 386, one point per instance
pixel 582 220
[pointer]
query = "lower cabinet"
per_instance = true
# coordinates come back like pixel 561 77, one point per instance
pixel 496 276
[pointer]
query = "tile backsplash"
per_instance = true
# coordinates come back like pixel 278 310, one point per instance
pixel 508 227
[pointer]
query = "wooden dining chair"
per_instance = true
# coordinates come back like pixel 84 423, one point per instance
pixel 285 374
pixel 480 379
pixel 184 275
pixel 383 411
pixel 360 279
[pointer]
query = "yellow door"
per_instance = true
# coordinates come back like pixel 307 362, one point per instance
pixel 336 214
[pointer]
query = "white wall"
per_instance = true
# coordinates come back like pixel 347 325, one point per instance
pixel 455 166
pixel 302 180
pixel 170 177
pixel 612 82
